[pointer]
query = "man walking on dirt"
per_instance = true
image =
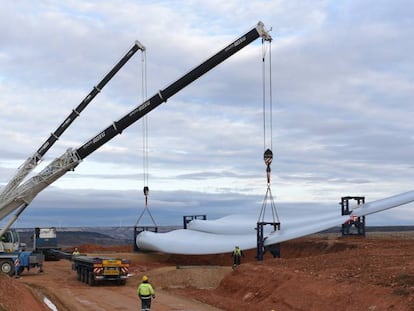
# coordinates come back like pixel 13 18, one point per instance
pixel 145 293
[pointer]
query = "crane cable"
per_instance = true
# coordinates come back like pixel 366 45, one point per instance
pixel 267 127
pixel 264 50
pixel 145 128
pixel 145 145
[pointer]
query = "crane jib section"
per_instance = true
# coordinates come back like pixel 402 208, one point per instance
pixel 162 96
pixel 7 192
pixel 85 102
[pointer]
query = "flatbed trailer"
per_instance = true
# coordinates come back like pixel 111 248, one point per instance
pixel 92 270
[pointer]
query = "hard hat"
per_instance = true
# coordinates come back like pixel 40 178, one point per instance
pixel 144 278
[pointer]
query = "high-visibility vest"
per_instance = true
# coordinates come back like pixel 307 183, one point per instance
pixel 145 290
pixel 237 252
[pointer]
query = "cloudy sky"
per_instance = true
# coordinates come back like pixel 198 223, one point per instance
pixel 342 86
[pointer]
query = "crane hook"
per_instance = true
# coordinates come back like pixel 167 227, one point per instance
pixel 268 157
pixel 146 192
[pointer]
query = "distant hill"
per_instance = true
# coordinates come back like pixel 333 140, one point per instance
pixel 107 236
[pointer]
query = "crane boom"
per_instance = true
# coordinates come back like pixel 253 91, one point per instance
pixel 35 159
pixel 25 193
pixel 163 95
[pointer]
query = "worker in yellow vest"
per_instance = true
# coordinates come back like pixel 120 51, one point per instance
pixel 237 255
pixel 145 292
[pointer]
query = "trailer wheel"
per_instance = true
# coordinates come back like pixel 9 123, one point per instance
pixel 91 279
pixel 78 274
pixel 83 272
pixel 7 267
pixel 121 282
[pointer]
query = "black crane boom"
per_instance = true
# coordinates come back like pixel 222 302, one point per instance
pixel 85 102
pixel 162 96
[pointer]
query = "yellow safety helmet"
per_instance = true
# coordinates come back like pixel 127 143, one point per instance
pixel 144 278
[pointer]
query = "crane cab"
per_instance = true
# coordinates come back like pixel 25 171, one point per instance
pixel 10 241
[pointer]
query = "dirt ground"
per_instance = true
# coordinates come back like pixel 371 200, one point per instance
pixel 324 272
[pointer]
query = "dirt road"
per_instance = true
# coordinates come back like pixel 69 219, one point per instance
pixel 59 284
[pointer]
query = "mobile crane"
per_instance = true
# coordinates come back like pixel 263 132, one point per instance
pixel 11 254
pixel 20 196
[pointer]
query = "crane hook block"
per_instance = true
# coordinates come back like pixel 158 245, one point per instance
pixel 146 190
pixel 268 157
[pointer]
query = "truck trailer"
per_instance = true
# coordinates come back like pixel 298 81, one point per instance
pixel 92 270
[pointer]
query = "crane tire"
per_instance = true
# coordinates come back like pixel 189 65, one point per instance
pixel 7 267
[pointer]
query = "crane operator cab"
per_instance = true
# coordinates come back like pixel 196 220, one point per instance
pixel 10 241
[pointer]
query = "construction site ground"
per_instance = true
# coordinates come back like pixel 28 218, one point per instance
pixel 320 272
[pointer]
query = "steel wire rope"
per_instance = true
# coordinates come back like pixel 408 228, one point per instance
pixel 145 139
pixel 145 120
pixel 267 129
pixel 264 92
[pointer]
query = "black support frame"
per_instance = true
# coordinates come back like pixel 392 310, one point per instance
pixel 356 221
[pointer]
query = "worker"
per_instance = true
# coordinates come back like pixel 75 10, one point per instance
pixel 145 292
pixel 237 254
pixel 76 252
